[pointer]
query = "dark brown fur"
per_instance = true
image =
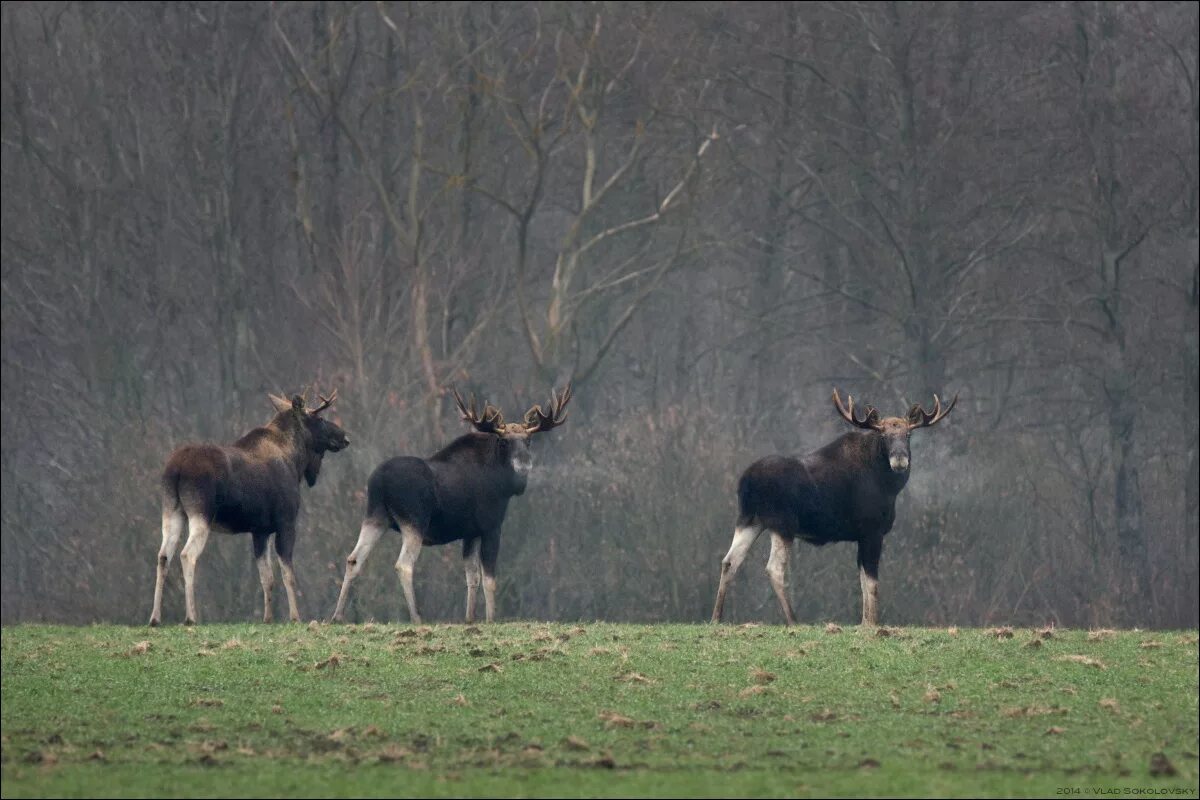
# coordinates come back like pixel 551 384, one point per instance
pixel 844 492
pixel 251 486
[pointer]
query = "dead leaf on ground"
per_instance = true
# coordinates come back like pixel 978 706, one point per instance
pixel 1100 635
pixel 1150 645
pixel 208 702
pixel 615 720
pixel 750 691
pixel 575 743
pixel 334 660
pixel 1087 661
pixel 952 630
pixel 1054 730
pixel 824 715
pixel 633 677
pixel 460 700
pixel 831 627
pixel 493 667
pixel 1109 704
pixel 761 676
pixel 141 648
pixel 933 696
pixel 1033 711
pixel 1004 632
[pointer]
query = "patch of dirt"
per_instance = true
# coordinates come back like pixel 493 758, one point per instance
pixel 1161 766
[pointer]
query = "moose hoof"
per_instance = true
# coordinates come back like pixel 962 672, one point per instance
pixel 154 622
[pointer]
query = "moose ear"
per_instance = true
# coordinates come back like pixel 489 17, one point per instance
pixel 280 404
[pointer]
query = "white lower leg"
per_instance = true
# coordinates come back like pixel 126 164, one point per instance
pixel 489 596
pixel 409 551
pixel 870 597
pixel 197 538
pixel 777 571
pixel 743 538
pixel 472 569
pixel 368 535
pixel 289 585
pixel 172 529
pixel 266 576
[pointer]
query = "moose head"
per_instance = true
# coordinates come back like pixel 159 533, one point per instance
pixel 895 430
pixel 513 438
pixel 316 434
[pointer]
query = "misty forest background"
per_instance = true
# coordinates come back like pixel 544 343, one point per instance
pixel 707 215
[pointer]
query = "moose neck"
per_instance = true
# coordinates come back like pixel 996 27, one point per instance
pixel 890 480
pixel 484 450
pixel 294 441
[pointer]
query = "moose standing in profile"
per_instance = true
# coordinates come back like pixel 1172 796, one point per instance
pixel 251 486
pixel 844 492
pixel 461 492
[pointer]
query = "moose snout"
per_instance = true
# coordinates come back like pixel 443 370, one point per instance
pixel 899 463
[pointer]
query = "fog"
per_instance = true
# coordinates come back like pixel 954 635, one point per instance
pixel 705 216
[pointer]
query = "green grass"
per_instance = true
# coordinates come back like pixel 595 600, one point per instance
pixel 524 709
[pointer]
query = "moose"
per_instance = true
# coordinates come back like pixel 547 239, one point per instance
pixel 460 493
pixel 251 486
pixel 844 492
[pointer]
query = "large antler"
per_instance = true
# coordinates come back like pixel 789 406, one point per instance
pixel 919 418
pixel 538 421
pixel 870 421
pixel 491 421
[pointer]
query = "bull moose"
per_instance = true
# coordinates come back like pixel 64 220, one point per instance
pixel 844 492
pixel 459 493
pixel 251 486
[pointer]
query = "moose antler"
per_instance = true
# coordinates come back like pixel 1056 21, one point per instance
pixel 491 421
pixel 326 402
pixel 920 418
pixel 538 421
pixel 870 421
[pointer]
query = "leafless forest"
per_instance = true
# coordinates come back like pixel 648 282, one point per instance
pixel 705 215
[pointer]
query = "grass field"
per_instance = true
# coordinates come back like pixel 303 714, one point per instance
pixel 525 709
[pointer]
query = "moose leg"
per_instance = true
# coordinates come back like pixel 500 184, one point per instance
pixel 489 555
pixel 743 537
pixel 410 550
pixel 777 571
pixel 285 543
pixel 197 538
pixel 368 535
pixel 868 577
pixel 173 521
pixel 266 574
pixel 471 566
